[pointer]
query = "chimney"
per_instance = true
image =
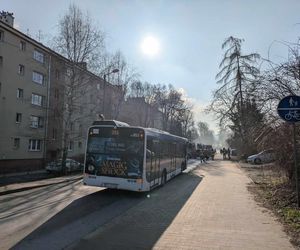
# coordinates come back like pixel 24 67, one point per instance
pixel 7 18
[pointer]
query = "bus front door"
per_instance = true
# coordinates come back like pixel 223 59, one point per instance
pixel 155 172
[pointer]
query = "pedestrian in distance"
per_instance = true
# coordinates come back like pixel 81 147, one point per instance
pixel 224 151
pixel 213 151
pixel 229 153
pixel 202 156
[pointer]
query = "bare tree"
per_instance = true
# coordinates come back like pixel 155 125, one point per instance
pixel 147 94
pixel 187 120
pixel 206 135
pixel 124 76
pixel 280 80
pixel 79 39
pixel 81 43
pixel 172 107
pixel 238 78
pixel 237 71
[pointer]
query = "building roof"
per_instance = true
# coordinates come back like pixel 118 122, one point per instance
pixel 41 46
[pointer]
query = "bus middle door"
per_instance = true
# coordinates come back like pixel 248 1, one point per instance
pixel 173 157
pixel 156 162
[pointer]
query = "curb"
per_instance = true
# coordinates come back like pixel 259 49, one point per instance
pixel 10 191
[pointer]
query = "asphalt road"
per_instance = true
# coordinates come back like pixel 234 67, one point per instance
pixel 54 214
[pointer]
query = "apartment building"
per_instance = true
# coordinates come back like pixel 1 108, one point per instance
pixel 34 92
pixel 41 110
pixel 24 74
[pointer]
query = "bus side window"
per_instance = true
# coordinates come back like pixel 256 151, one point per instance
pixel 148 159
pixel 156 149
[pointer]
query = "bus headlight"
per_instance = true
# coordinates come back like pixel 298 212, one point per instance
pixel 91 168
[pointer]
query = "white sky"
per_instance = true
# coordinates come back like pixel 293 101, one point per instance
pixel 190 32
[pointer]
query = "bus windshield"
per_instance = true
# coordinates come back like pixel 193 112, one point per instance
pixel 115 152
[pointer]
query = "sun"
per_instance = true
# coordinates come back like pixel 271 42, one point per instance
pixel 150 46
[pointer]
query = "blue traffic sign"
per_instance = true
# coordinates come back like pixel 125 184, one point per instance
pixel 289 108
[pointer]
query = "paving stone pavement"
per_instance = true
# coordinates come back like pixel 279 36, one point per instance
pixel 208 208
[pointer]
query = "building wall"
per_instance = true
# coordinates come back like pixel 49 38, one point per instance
pixel 88 103
pixel 94 97
pixel 56 100
pixel 136 112
pixel 12 56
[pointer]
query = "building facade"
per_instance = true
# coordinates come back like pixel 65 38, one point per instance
pixel 24 75
pixel 36 119
pixel 47 103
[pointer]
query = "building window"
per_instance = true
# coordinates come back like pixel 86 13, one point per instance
pixel 39 56
pixel 56 93
pixel 20 93
pixel 34 145
pixel 0 87
pixel 18 118
pixel 16 142
pixel 71 146
pixel 54 133
pixel 22 45
pixel 1 60
pixel 69 72
pixel 21 69
pixel 1 35
pixel 71 126
pixel 38 77
pixel 36 121
pixel 80 130
pixel 37 100
pixel 57 74
pixel 79 144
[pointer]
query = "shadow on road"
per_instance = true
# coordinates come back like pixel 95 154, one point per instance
pixel 143 225
pixel 114 219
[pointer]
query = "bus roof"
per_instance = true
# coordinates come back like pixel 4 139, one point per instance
pixel 164 133
pixel 114 123
pixel 111 123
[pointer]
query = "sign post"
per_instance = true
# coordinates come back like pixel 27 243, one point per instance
pixel 289 110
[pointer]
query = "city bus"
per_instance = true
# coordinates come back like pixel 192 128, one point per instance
pixel 119 156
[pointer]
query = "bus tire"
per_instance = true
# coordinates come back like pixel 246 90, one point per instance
pixel 163 178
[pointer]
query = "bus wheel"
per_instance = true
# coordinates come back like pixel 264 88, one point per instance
pixel 163 178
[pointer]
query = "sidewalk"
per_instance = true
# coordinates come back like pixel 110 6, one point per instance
pixel 6 179
pixel 13 183
pixel 216 212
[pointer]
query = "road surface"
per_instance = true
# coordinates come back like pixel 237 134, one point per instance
pixel 207 208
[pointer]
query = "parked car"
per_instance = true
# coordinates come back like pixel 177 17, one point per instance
pixel 71 166
pixel 262 157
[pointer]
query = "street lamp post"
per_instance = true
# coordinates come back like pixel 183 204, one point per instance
pixel 104 90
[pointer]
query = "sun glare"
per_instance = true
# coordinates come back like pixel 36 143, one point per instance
pixel 150 46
